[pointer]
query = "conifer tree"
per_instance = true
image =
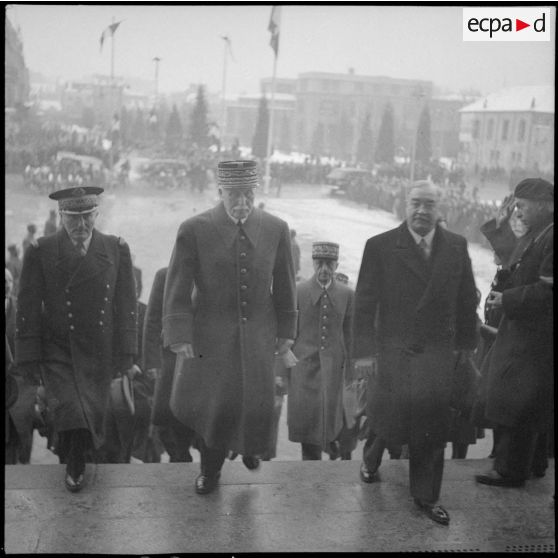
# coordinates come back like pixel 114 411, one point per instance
pixel 259 141
pixel 365 153
pixel 173 137
pixel 199 127
pixel 385 148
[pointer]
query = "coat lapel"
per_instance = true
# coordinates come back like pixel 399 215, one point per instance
pixel 443 261
pixel 407 251
pixel 94 262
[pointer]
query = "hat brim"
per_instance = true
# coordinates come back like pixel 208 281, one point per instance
pixel 84 212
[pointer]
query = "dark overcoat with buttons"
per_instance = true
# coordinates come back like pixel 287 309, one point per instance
pixel 412 314
pixel 315 401
pixel 230 292
pixel 76 316
pixel 519 387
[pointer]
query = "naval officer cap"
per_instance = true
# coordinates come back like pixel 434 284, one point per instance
pixel 237 174
pixel 536 189
pixel 77 201
pixel 325 251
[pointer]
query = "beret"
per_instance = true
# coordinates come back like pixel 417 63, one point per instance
pixel 534 189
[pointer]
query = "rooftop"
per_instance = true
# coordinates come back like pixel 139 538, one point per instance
pixel 536 98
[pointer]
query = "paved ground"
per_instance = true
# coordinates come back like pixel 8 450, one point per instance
pixel 284 507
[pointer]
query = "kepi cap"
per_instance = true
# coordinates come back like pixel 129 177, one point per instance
pixel 237 174
pixel 77 201
pixel 325 250
pixel 536 189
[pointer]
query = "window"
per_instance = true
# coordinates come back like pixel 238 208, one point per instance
pixel 505 130
pixel 521 131
pixel 490 129
pixel 476 129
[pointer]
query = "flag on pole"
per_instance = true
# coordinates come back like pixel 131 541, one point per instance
pixel 273 28
pixel 229 45
pixel 109 32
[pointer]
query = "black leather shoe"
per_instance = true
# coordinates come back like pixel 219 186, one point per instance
pixel 74 484
pixel 252 463
pixel 206 483
pixel 368 476
pixel 434 512
pixel 492 478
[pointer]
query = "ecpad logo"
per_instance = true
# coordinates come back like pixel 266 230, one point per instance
pixel 506 24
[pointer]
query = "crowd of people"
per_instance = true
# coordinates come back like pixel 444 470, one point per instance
pixel 403 361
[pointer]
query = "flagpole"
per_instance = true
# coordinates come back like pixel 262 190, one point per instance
pixel 267 177
pixel 111 152
pixel 223 89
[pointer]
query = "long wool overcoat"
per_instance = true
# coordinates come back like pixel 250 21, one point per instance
pixel 315 401
pixel 230 291
pixel 413 314
pixel 520 381
pixel 76 316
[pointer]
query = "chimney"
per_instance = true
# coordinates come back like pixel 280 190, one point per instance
pixel 352 71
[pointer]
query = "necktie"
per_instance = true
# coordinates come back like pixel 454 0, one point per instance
pixel 81 248
pixel 424 248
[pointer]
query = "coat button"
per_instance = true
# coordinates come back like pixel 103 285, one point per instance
pixel 243 287
pixel 244 320
pixel 67 290
pixel 243 270
pixel 102 311
pixel 72 327
pixel 323 337
pixel 242 237
pixel 242 254
pixel 243 303
pixel 322 347
pixel 100 323
pixel 108 286
pixel 70 315
pixel 324 327
pixel 68 303
pixel 324 306
pixel 106 298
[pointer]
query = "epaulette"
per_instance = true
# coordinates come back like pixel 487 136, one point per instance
pixel 34 243
pixel 121 241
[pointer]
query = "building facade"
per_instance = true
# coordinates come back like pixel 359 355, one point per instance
pixel 509 131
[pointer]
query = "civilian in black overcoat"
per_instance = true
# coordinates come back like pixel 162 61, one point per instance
pixel 414 319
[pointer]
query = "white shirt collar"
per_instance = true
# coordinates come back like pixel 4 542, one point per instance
pixel 86 243
pixel 235 220
pixel 428 238
pixel 328 284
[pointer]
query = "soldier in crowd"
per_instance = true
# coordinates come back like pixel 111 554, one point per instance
pixel 159 362
pixel 229 304
pixel 14 264
pixel 50 224
pixel 520 383
pixel 315 403
pixel 29 237
pixel 415 320
pixel 76 324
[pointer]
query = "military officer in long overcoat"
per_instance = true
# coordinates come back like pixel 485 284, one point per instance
pixel 229 305
pixel 315 401
pixel 414 318
pixel 520 383
pixel 76 324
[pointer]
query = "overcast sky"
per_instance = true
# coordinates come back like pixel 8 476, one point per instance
pixel 419 42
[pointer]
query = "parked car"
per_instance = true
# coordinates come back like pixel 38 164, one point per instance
pixel 341 177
